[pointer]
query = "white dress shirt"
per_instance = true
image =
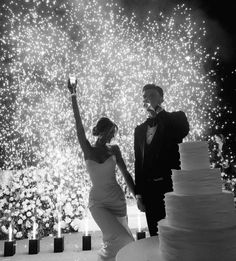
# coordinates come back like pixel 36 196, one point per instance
pixel 152 130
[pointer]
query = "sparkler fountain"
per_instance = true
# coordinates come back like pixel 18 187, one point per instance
pixel 86 238
pixel 34 242
pixel 10 245
pixel 112 58
pixel 140 233
pixel 59 239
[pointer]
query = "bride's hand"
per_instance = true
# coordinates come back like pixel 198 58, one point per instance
pixel 72 86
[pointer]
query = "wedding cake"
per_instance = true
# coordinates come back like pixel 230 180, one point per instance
pixel 200 223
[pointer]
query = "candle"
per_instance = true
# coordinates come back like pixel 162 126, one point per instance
pixel 10 245
pixel 58 244
pixel 34 246
pixel 86 238
pixel 140 234
pixel 10 248
pixel 86 241
pixel 59 240
pixel 34 243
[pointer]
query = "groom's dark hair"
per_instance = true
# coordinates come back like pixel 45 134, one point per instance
pixel 153 87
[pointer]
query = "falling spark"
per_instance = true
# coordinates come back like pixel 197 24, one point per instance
pixel 112 57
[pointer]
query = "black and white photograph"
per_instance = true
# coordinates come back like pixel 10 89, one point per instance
pixel 117 130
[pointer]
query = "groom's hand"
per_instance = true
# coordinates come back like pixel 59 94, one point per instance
pixel 141 205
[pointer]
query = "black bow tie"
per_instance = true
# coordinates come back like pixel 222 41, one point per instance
pixel 152 121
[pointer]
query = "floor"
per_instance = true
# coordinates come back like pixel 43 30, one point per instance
pixel 73 242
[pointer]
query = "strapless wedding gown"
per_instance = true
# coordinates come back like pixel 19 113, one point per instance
pixel 107 205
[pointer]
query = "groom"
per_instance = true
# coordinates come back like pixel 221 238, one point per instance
pixel 156 153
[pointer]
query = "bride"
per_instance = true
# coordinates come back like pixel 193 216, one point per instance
pixel 107 202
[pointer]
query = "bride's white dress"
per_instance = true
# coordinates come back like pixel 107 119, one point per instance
pixel 108 207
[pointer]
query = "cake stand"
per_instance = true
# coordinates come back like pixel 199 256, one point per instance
pixel 146 249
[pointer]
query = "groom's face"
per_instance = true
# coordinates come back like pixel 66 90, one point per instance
pixel 152 97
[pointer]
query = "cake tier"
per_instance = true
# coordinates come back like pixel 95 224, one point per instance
pixel 196 245
pixel 200 211
pixel 194 155
pixel 192 182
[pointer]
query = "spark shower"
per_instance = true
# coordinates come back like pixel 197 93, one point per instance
pixel 112 56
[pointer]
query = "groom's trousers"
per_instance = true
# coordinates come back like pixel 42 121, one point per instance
pixel 153 197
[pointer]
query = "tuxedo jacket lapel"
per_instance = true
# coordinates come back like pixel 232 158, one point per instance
pixel 157 140
pixel 143 134
pixel 158 137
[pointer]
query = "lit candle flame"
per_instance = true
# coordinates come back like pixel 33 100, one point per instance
pixel 10 232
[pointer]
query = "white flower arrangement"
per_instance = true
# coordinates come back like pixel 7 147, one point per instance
pixel 20 221
pixel 4 229
pixel 30 194
pixel 19 235
pixel 68 209
pixel 76 224
pixel 67 220
pixel 28 214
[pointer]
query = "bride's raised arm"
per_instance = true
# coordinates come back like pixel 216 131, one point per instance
pixel 84 143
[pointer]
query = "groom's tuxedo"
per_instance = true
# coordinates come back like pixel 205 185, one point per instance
pixel 154 161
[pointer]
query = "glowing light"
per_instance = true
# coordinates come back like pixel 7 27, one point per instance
pixel 112 57
pixel 139 222
pixel 10 233
pixel 59 225
pixel 34 229
pixel 86 226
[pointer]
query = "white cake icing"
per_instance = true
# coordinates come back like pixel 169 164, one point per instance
pixel 215 210
pixel 194 155
pixel 192 182
pixel 200 223
pixel 178 244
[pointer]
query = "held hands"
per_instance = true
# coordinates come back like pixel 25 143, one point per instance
pixel 72 86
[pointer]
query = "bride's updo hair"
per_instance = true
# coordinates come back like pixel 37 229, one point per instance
pixel 103 124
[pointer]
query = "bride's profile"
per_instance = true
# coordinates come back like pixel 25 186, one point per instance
pixel 107 202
